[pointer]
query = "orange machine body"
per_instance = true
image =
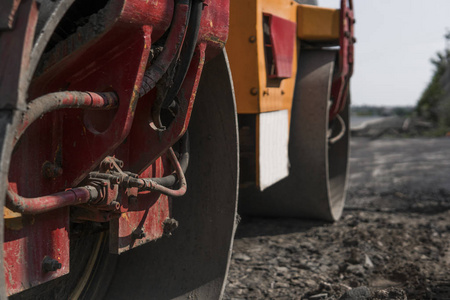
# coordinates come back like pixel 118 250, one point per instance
pixel 258 30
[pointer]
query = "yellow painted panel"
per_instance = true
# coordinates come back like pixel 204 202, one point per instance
pixel 9 214
pixel 245 49
pixel 275 98
pixel 318 23
pixel 242 54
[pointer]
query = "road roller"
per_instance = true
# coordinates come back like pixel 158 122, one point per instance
pixel 123 124
pixel 291 65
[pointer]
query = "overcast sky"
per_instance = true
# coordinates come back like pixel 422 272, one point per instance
pixel 395 41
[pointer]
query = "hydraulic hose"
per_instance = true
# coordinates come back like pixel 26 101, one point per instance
pixel 36 109
pixel 151 185
pixel 171 179
pixel 90 193
pixel 171 47
pixel 187 52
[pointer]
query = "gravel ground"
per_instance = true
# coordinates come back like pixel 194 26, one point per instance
pixel 393 241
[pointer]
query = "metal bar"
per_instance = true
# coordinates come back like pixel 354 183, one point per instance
pixel 58 100
pixel 36 109
pixel 43 204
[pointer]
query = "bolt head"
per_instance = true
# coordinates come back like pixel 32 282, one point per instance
pixel 169 225
pixel 50 265
pixel 138 234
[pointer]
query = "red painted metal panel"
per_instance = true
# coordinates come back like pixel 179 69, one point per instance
pixel 142 151
pixel 142 218
pixel 214 26
pixel 75 141
pixel 28 240
pixel 114 61
pixel 283 37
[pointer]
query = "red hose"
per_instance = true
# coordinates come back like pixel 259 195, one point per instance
pixel 36 109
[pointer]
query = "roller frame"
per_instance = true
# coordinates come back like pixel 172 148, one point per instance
pixel 316 185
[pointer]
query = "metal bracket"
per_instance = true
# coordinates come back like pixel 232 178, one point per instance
pixel 341 80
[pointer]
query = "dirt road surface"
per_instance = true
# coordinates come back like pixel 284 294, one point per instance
pixel 393 241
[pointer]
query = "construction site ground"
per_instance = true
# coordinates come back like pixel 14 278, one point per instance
pixel 392 242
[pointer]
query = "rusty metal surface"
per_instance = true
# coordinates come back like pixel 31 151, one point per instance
pixel 15 50
pixel 142 217
pixel 44 204
pixel 59 100
pixel 193 261
pixel 149 213
pixel 8 123
pixel 28 242
pixel 59 149
pixel 76 69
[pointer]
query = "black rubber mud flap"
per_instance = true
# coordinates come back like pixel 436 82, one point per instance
pixel 317 181
pixel 193 262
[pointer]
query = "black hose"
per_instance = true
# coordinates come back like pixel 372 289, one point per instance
pixel 187 52
pixel 171 179
pixel 159 66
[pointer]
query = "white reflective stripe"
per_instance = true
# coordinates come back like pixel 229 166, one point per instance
pixel 273 147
